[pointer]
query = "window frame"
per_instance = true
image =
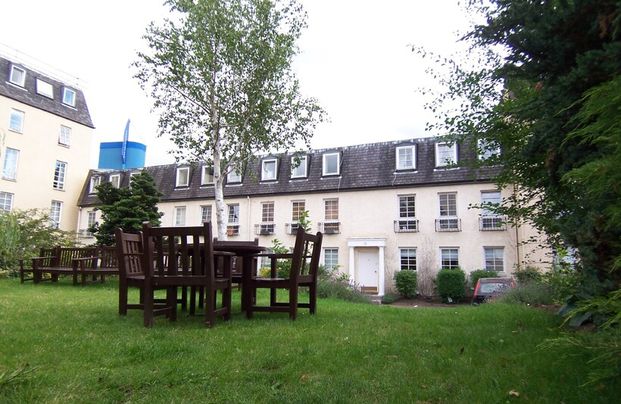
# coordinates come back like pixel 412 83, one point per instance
pixel 44 88
pixel 450 266
pixel 91 214
pixel 334 253
pixel 94 183
pixel 6 197
pixel 447 213
pixel 23 77
pixel 303 163
pixel 408 264
pixel 206 173
pixel 69 90
pixel 324 157
pixel 234 207
pixel 22 118
pixel 179 216
pixel 495 259
pixel 485 152
pixel 269 160
pixel 115 178
pixel 412 149
pixel 60 175
pixel 15 164
pixel 66 134
pixel 55 222
pixel 441 164
pixel 233 177
pixel 204 209
pixel 178 183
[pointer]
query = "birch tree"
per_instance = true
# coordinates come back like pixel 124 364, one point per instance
pixel 219 73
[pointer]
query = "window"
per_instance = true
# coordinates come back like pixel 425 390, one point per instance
pixel 446 154
pixel 179 215
pixel 297 209
pixel 267 219
pixel 331 209
pixel 489 219
pixel 206 175
pixel 45 89
pixel 9 168
pixel 331 163
pixel 490 199
pixel 233 226
pixel 450 258
pixel 299 166
pixel 494 258
pixel 55 213
pixel 16 121
pixel 407 214
pixel 92 218
pixel 60 173
pixel 18 76
pixel 64 137
pixel 131 176
pixel 183 177
pixel 205 213
pixel 448 220
pixel 95 181
pixel 115 180
pixel 269 168
pixel 6 201
pixel 407 259
pixel 487 149
pixel 331 258
pixel 69 97
pixel 406 157
pixel 234 177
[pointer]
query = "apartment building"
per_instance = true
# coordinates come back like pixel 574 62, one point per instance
pixel 45 139
pixel 383 207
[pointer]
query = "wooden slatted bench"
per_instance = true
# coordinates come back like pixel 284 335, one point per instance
pixel 103 263
pixel 56 261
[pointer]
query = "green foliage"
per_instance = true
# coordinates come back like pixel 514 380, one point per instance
pixel 304 222
pixel 481 273
pixel 283 267
pixel 390 298
pixel 563 283
pixel 451 284
pixel 331 283
pixel 527 275
pixel 23 233
pixel 126 208
pixel 530 293
pixel 604 310
pixel 406 283
pixel 220 75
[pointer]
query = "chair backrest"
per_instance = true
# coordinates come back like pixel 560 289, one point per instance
pixel 236 269
pixel 129 253
pixel 306 253
pixel 66 255
pixel 178 250
pixel 107 254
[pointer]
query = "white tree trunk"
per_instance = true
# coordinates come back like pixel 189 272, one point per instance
pixel 218 177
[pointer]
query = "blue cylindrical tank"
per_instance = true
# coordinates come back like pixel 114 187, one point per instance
pixel 110 155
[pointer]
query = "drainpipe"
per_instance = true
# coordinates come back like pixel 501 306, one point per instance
pixel 249 220
pixel 517 236
pixel 77 231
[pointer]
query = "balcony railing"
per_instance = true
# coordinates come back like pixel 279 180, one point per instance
pixel 232 230
pixel 492 223
pixel 330 227
pixel 448 224
pixel 264 229
pixel 292 228
pixel 406 225
pixel 85 233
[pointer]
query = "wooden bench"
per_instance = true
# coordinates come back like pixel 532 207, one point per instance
pixel 103 263
pixel 56 261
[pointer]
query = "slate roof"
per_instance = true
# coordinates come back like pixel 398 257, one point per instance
pixel 363 167
pixel 28 94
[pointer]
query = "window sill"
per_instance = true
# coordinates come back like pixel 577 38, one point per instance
pixel 66 146
pixel 9 179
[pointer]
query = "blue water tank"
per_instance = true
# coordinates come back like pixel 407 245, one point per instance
pixel 110 155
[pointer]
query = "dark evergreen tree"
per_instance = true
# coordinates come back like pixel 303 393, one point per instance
pixel 126 208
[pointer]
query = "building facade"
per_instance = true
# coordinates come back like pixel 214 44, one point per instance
pixel 382 207
pixel 45 139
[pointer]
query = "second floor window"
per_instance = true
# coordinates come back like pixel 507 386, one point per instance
pixel 446 154
pixel 179 215
pixel 407 207
pixel 269 168
pixel 234 177
pixel 69 97
pixel 205 213
pixel 206 175
pixel 115 180
pixel 489 200
pixel 332 209
pixel 299 166
pixel 297 208
pixel 331 164
pixel 64 137
pixel 60 173
pixel 448 204
pixel 16 121
pixel 233 213
pixel 95 181
pixel 9 168
pixel 18 76
pixel 183 177
pixel 267 212
pixel 406 158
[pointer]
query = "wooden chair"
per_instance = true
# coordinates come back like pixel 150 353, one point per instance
pixel 304 266
pixel 130 258
pixel 184 257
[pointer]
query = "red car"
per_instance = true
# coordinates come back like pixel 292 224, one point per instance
pixel 488 288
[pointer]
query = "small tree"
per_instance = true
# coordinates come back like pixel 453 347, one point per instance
pixel 126 208
pixel 220 76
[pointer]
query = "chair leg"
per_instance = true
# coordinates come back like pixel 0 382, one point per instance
pixel 123 299
pixel 312 298
pixel 210 307
pixel 148 307
pixel 193 300
pixel 293 302
pixel 171 302
pixel 227 302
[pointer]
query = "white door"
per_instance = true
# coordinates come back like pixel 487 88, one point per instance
pixel 367 267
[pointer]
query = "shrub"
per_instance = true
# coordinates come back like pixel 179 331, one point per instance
pixel 331 283
pixel 534 293
pixel 563 283
pixel 390 298
pixel 406 283
pixel 451 284
pixel 481 273
pixel 528 275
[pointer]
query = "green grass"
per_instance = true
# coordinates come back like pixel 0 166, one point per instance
pixel 70 345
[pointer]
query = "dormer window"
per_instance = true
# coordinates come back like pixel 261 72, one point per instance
pixel 406 157
pixel 234 177
pixel 446 154
pixel 269 168
pixel 183 177
pixel 69 96
pixel 299 167
pixel 487 150
pixel 206 175
pixel 331 164
pixel 18 76
pixel 115 180
pixel 95 181
pixel 45 89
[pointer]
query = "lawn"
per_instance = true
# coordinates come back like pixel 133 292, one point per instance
pixel 75 348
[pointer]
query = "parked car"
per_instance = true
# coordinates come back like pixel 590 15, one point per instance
pixel 488 288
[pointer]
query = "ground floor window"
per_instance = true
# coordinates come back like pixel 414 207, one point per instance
pixel 331 258
pixel 6 201
pixel 494 258
pixel 408 258
pixel 55 213
pixel 450 258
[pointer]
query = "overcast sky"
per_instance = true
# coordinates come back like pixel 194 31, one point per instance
pixel 355 58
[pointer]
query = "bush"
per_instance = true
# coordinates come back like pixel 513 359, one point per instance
pixel 534 293
pixel 481 273
pixel 331 283
pixel 563 283
pixel 528 275
pixel 406 283
pixel 390 298
pixel 451 284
